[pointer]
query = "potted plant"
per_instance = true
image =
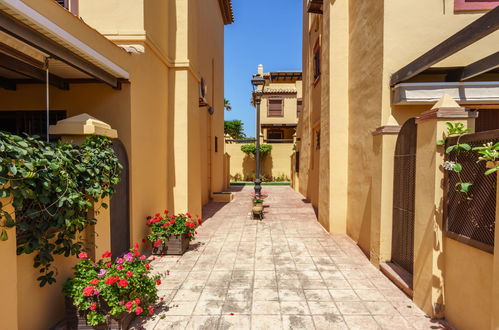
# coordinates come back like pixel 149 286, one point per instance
pixel 258 199
pixel 171 234
pixel 108 294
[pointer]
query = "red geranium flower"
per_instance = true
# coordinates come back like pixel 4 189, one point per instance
pixel 83 255
pixel 94 281
pixel 200 221
pixel 165 211
pixel 93 306
pixel 147 266
pixel 123 283
pixel 138 310
pixel 129 305
pixel 137 301
pixel 107 254
pixel 129 274
pixel 157 215
pixel 143 240
pixel 157 243
pixel 136 253
pixel 136 246
pixel 108 265
pixel 111 280
pixel 172 221
pixel 151 310
pixel 88 291
pixel 158 281
pixel 188 215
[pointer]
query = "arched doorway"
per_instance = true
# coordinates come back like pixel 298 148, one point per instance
pixel 404 196
pixel 120 206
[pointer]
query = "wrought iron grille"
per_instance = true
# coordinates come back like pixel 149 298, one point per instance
pixel 471 218
pixel 404 196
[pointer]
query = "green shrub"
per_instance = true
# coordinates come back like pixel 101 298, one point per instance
pixel 250 149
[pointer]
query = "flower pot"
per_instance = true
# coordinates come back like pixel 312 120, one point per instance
pixel 76 319
pixel 257 211
pixel 174 244
pixel 259 204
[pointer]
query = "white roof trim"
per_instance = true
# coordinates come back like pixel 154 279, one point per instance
pixel 29 13
pixel 481 92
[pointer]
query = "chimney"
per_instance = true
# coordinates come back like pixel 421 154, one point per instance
pixel 260 69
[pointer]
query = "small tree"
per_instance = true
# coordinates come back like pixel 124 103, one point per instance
pixel 250 149
pixel 234 128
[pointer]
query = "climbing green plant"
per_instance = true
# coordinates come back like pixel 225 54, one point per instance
pixel 250 149
pixel 458 130
pixel 52 188
pixel 489 152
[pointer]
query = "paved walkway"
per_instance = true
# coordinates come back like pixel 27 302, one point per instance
pixel 284 272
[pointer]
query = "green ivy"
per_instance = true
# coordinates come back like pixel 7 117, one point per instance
pixel 250 149
pixel 52 188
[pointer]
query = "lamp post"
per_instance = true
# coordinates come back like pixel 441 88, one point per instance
pixel 257 81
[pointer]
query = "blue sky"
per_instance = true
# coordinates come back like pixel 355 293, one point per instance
pixel 267 32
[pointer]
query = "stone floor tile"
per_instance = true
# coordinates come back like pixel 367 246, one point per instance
pixel 317 295
pixel 187 295
pixel 237 307
pixel 180 308
pixel 351 307
pixel 322 308
pixel 291 295
pixel 424 323
pixel 329 322
pixel 295 307
pixel 203 322
pixel 235 322
pixel 361 322
pixel 407 308
pixel 392 322
pixel 292 322
pixel 265 307
pixel 313 285
pixel 370 295
pixel 288 284
pixel 209 307
pixel 265 294
pixel 344 295
pixel 239 294
pixel 261 284
pixel 213 293
pixel 172 322
pixel 266 322
pixel 381 308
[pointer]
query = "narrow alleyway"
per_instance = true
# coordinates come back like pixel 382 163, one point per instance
pixel 285 272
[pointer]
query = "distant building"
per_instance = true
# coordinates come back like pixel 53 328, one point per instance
pixel 281 105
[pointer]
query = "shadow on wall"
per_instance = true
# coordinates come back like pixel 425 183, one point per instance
pixel 249 168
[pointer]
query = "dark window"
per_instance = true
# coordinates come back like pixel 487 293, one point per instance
pixel 318 140
pixel 299 107
pixel 275 134
pixel 317 60
pixel 297 161
pixel 64 3
pixel 488 119
pixel 216 144
pixel 275 108
pixel 29 122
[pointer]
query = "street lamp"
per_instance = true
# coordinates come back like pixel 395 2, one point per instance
pixel 257 81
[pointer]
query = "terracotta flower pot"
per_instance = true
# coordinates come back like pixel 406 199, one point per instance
pixel 174 244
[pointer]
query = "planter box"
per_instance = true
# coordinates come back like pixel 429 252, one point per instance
pixel 175 245
pixel 76 319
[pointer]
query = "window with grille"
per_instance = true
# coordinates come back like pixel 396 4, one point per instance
pixel 474 5
pixel 317 60
pixel 299 106
pixel 29 122
pixel 275 108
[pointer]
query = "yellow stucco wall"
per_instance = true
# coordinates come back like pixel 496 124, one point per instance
pixel 277 163
pixel 468 278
